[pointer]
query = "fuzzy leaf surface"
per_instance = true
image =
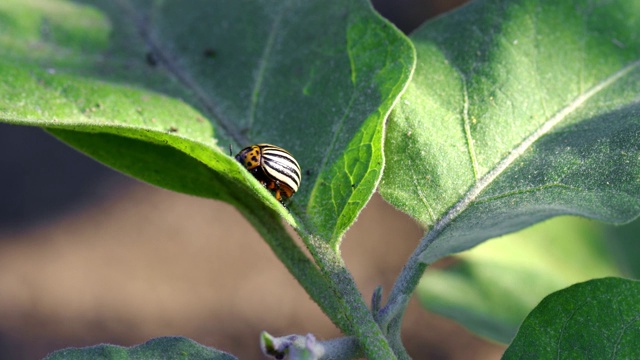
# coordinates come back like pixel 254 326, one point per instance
pixel 518 111
pixel 160 89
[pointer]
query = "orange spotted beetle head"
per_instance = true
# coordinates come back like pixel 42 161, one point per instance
pixel 250 157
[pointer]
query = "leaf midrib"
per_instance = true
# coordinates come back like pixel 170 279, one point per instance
pixel 486 180
pixel 262 66
pixel 185 78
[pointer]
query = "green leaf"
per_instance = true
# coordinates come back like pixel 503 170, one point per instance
pixel 158 348
pixel 518 111
pixel 160 89
pixel 492 287
pixel 598 319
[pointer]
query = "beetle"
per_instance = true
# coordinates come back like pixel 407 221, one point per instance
pixel 274 167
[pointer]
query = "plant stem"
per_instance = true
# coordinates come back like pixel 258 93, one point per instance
pixel 269 225
pixel 365 328
pixel 331 285
pixel 391 315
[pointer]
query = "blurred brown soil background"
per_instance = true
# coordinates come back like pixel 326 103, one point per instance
pixel 90 256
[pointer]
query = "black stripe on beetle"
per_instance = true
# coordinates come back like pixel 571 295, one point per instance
pixel 274 167
pixel 280 164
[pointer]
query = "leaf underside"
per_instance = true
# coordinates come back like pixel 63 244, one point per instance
pixel 518 111
pixel 180 82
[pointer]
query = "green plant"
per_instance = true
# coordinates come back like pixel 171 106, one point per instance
pixel 484 121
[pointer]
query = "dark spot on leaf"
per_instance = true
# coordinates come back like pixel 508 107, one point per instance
pixel 209 53
pixel 151 58
pixel 173 129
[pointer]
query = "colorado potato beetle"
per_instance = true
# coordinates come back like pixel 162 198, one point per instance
pixel 274 167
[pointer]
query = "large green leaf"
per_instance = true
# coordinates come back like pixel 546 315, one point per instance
pixel 491 288
pixel 518 111
pixel 160 89
pixel 158 348
pixel 598 319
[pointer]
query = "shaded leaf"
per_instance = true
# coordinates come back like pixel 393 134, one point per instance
pixel 158 348
pixel 518 111
pixel 598 319
pixel 193 77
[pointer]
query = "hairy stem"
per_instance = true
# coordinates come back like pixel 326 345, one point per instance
pixel 269 225
pixel 365 328
pixel 390 317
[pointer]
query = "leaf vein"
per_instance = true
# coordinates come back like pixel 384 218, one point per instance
pixel 173 67
pixel 262 66
pixel 625 327
pixel 332 146
pixel 524 191
pixel 563 329
pixel 473 193
pixel 467 128
pixel 423 198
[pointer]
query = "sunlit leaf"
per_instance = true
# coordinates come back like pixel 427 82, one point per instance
pixel 518 111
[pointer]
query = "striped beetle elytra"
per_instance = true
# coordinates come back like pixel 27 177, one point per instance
pixel 274 167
